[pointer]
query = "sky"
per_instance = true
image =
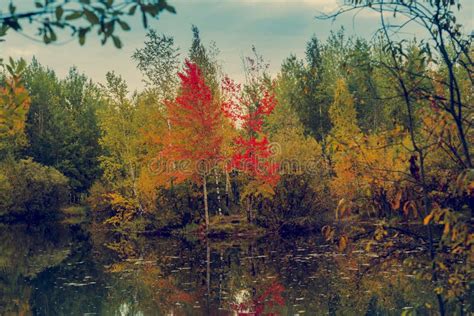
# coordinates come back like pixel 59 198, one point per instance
pixel 277 28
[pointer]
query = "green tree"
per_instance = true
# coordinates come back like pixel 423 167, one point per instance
pixel 62 124
pixel 119 138
pixel 158 61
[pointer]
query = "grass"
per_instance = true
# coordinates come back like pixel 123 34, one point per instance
pixel 225 227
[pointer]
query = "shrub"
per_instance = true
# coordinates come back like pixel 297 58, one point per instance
pixel 29 189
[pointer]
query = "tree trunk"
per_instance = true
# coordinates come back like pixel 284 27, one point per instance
pixel 218 192
pixel 228 190
pixel 208 275
pixel 249 210
pixel 206 207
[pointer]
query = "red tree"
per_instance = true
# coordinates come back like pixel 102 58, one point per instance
pixel 192 146
pixel 247 108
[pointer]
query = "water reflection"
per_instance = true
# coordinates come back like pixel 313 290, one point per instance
pixel 70 270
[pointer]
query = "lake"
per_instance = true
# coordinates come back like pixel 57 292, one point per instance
pixel 60 269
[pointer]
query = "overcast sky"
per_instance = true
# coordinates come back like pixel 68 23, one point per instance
pixel 277 28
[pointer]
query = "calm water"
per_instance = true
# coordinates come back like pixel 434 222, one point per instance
pixel 69 270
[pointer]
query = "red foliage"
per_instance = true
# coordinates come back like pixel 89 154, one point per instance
pixel 269 298
pixel 195 119
pixel 253 149
pixel 252 158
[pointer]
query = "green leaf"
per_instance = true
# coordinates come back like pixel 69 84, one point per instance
pixel 132 10
pixel 52 35
pixel 117 41
pixel 82 35
pixel 38 4
pixel 73 16
pixel 46 39
pixel 124 25
pixel 91 17
pixel 59 12
pixel 170 9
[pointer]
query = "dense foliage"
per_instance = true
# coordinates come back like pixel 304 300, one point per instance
pixel 377 131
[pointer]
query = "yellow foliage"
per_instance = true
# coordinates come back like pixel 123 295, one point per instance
pixel 363 163
pixel 125 209
pixel 343 241
pixel 14 105
pixel 257 188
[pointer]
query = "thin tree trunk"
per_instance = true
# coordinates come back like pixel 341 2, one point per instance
pixel 249 210
pixel 208 274
pixel 228 190
pixel 206 207
pixel 218 192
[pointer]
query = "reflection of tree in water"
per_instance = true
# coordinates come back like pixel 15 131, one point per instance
pixel 109 274
pixel 74 287
pixel 26 251
pixel 256 277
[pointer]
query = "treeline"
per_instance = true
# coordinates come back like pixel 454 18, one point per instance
pixel 336 126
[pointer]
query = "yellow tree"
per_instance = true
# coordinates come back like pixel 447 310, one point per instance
pixel 342 142
pixel 366 167
pixel 14 106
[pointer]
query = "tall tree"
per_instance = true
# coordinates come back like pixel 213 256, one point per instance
pixel 194 136
pixel 158 61
pixel 205 58
pixel 248 107
pixel 120 138
pixel 62 124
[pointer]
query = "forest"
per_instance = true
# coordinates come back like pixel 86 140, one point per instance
pixel 364 143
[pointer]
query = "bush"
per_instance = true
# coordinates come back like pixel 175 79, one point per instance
pixel 298 204
pixel 29 189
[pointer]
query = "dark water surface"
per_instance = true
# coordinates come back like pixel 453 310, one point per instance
pixel 68 270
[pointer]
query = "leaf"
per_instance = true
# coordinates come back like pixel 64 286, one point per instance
pixel 132 10
pixel 170 9
pixel 82 35
pixel 91 17
pixel 59 12
pixel 73 16
pixel 124 25
pixel 427 219
pixel 446 229
pixel 117 41
pixel 343 243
